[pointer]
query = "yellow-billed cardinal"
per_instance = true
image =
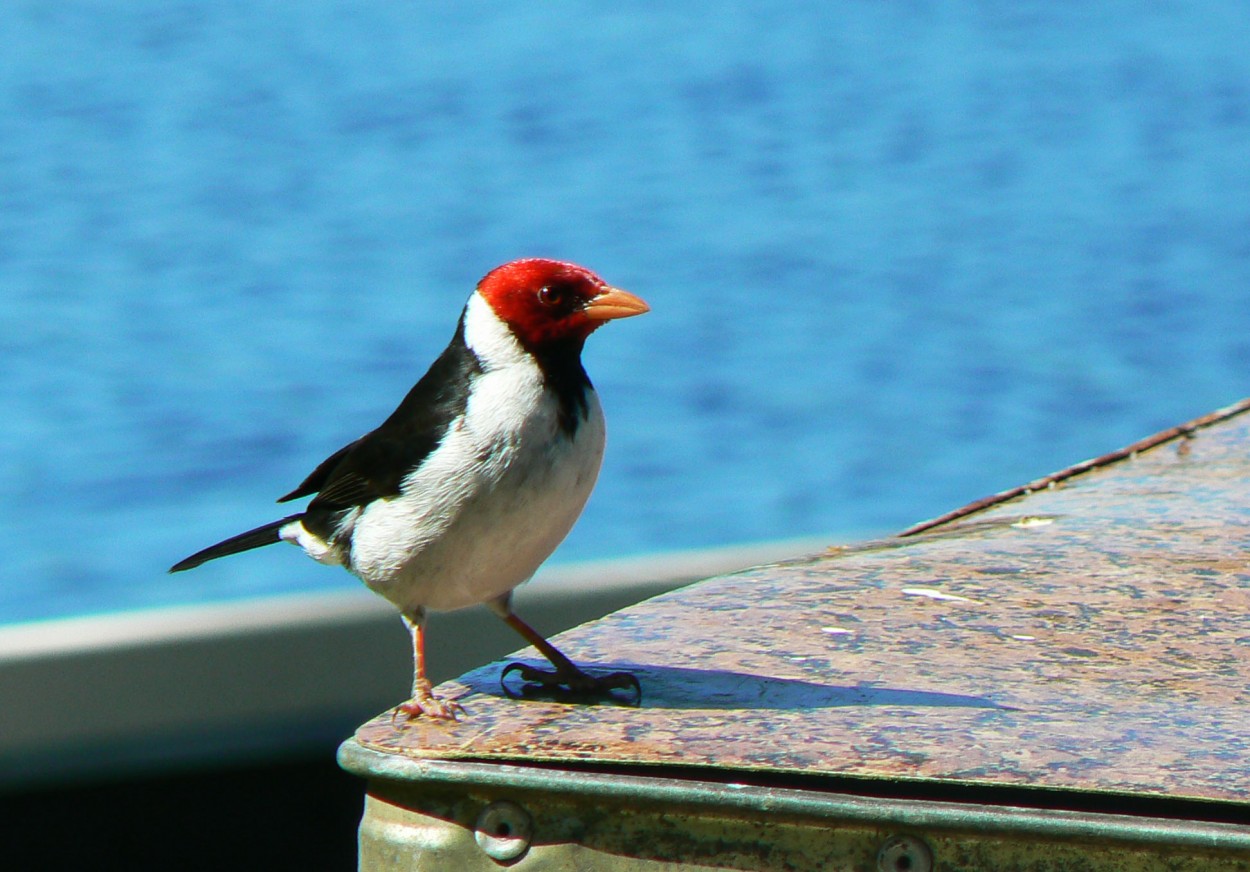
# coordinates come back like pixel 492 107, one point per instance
pixel 478 475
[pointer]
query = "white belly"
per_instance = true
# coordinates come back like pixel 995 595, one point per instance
pixel 488 506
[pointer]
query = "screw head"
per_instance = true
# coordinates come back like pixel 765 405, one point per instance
pixel 503 830
pixel 904 854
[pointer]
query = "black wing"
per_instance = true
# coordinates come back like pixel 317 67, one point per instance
pixel 375 465
pixel 318 477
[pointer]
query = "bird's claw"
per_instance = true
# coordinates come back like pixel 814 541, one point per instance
pixel 430 706
pixel 575 683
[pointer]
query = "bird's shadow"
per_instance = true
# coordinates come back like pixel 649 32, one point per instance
pixel 672 687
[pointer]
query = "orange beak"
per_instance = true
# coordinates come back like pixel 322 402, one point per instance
pixel 615 303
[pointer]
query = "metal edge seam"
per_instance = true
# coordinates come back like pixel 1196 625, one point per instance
pixel 1185 430
pixel 802 804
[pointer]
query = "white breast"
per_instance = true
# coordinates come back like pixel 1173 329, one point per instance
pixel 492 502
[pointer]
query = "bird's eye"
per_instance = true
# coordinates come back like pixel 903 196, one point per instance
pixel 551 296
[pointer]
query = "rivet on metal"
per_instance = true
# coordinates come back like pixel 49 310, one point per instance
pixel 503 830
pixel 904 854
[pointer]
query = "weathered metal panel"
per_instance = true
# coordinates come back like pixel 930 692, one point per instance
pixel 446 815
pixel 1078 644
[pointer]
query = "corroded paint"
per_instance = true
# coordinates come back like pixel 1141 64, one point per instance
pixel 429 814
pixel 429 831
pixel 1091 634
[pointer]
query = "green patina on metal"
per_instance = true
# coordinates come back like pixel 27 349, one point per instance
pixel 1084 636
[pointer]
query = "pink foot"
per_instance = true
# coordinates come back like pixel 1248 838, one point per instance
pixel 424 702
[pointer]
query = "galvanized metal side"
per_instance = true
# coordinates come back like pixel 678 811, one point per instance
pixel 431 815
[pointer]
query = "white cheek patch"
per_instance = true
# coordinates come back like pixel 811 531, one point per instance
pixel 491 339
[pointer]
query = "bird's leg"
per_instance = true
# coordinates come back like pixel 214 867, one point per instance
pixel 566 674
pixel 423 701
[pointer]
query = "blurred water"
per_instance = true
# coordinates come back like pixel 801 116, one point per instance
pixel 899 255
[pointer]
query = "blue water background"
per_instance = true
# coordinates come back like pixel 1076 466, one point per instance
pixel 900 255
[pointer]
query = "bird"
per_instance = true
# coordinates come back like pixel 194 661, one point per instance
pixel 480 472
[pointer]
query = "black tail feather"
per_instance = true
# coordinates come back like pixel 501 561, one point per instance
pixel 266 535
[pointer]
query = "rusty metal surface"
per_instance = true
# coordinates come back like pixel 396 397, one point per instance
pixel 456 815
pixel 1092 635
